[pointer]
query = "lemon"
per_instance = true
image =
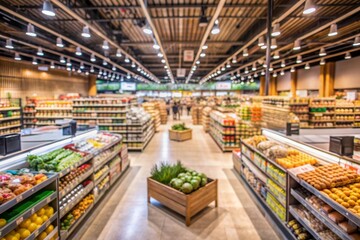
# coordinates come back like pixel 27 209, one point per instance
pixel 24 234
pixel 38 221
pixel 49 229
pixel 17 235
pixel 10 237
pixel 42 236
pixel 33 217
pixel 32 227
pixel 49 212
pixel 2 222
pixel 44 218
pixel 25 224
pixel 40 212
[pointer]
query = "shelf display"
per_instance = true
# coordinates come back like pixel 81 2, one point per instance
pixel 223 130
pixel 10 116
pixel 163 112
pixel 196 114
pixel 152 109
pixel 206 118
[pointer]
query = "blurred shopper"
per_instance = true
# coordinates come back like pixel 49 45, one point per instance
pixel 188 106
pixel 175 109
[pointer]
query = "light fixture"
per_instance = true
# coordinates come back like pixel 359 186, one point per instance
pixel 228 65
pixel 128 76
pixel 261 41
pixel 198 62
pixel 238 73
pixel 100 72
pixel 242 83
pixel 292 69
pixel 255 75
pixel 223 68
pixel 253 67
pixel 310 7
pixel 122 78
pixel 87 73
pixel 234 60
pixel 30 30
pixel 92 58
pixel 17 57
pixel 347 55
pixel 40 52
pixel 299 59
pixel 262 73
pixel 133 65
pixel 273 43
pixel 333 30
pixel 86 32
pixel 34 61
pixel 165 66
pixel 48 9
pixel 156 46
pixel 92 69
pixel 59 42
pixel 276 55
pixel 307 66
pixel 204 47
pixel 283 63
pixel 147 29
pixel 297 45
pixel 271 67
pixel 163 61
pixel 242 78
pixel 215 29
pixel 78 51
pixel 82 65
pixel 127 60
pixel 282 73
pixel 105 45
pixel 113 68
pixel 322 52
pixel 356 41
pixel 218 71
pixel 246 70
pixel 79 70
pixel 160 55
pixel 202 54
pixel 62 59
pixel 105 63
pixel 68 62
pixel 245 52
pixel 9 44
pixel 274 74
pixel 276 30
pixel 105 73
pixel 322 61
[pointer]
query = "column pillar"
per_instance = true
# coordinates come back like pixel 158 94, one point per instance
pixel 92 85
pixel 322 81
pixel 293 83
pixel 273 86
pixel 329 79
pixel 262 86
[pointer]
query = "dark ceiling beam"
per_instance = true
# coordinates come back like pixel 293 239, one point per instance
pixel 150 56
pixel 181 42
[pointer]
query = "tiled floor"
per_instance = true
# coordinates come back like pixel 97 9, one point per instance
pixel 126 214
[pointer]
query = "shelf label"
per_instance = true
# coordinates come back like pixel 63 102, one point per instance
pixel 36 232
pixel 19 220
pixel 47 223
pixel 48 200
pixel 19 198
pixel 301 169
pixel 32 211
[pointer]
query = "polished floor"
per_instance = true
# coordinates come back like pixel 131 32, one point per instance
pixel 125 213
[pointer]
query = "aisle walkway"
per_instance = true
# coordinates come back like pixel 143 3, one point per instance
pixel 126 214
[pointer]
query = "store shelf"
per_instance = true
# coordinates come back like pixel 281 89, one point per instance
pixel 101 118
pixel 92 111
pixel 9 109
pixel 304 224
pixel 42 227
pixel 268 191
pixel 64 234
pixel 101 105
pixel 75 165
pixel 107 159
pixel 337 113
pixel 52 117
pixel 318 121
pixel 323 218
pixel 78 180
pixel 106 173
pixel 321 113
pixel 80 196
pixel 9 118
pixel 12 126
pixel 222 147
pixel 27 214
pixel 144 145
pixel 52 234
pixel 53 109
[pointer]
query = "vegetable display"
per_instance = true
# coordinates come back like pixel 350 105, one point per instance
pixel 179 127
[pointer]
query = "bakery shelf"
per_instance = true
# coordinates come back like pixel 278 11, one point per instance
pixel 338 113
pixel 343 211
pixel 77 181
pixel 323 218
pixel 80 196
pixel 97 181
pixel 331 120
pixel 341 121
pixel 304 224
pixel 298 104
pixel 75 165
pixel 26 214
pixel 321 113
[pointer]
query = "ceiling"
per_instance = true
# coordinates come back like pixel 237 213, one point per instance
pixel 176 24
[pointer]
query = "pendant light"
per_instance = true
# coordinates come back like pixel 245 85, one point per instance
pixel 282 73
pixel 322 52
pixel 92 58
pixel 40 52
pixel 9 44
pixel 245 52
pixel 276 30
pixel 128 76
pixel 228 65
pixel 255 75
pixel 78 51
pixel 105 45
pixel 347 55
pixel 215 29
pixel 52 65
pixel 297 45
pixel 118 53
pixel 48 9
pixel 204 47
pixel 82 65
pixel 322 61
pixel 218 71
pixel 122 78
pixel 147 30
pixel 283 63
pixel 87 73
pixel 262 73
pixel 133 65
pixel 202 54
pixel 271 67
pixel 234 60
pixel 309 7
pixel 223 68
pixel 68 62
pixel 163 60
pixel 105 63
pixel 356 41
pixel 160 55
pixel 292 69
pixel 86 32
pixel 253 67
pixel 79 70
pixel 59 42
pixel 100 72
pixel 333 30
pixel 127 60
pixel 242 78
pixel 34 61
pixel 299 59
pixel 246 70
pixel 274 74
pixel 17 57
pixel 30 30
pixel 113 68
pixel 62 59
pixel 307 66
pixel 92 69
pixel 276 55
pixel 156 46
pixel 273 43
pixel 238 74
pixel 197 62
pixel 261 41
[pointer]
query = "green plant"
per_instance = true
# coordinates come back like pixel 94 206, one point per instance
pixel 164 172
pixel 179 127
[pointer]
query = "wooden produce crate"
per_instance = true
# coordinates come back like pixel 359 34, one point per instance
pixel 180 135
pixel 188 205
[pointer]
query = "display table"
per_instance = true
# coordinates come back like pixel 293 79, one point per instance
pixel 180 135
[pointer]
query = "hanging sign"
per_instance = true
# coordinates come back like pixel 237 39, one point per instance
pixel 180 72
pixel 188 55
pixel 223 86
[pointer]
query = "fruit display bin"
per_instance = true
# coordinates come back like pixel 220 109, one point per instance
pixel 187 205
pixel 180 135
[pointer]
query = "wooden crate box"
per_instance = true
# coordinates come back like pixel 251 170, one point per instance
pixel 180 135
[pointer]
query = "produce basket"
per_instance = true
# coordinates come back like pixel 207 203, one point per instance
pixel 180 135
pixel 188 205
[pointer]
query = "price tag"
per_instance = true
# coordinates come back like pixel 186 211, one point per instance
pixel 47 223
pixel 36 232
pixel 301 169
pixel 19 220
pixel 48 200
pixel 32 211
pixel 19 198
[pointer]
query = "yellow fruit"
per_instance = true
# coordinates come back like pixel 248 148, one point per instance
pixel 24 234
pixel 49 212
pixel 25 224
pixel 33 217
pixel 42 236
pixel 49 229
pixel 32 227
pixel 2 222
pixel 17 235
pixel 40 212
pixel 38 221
pixel 10 237
pixel 44 218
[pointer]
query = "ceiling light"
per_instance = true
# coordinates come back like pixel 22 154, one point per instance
pixel 223 68
pixel 256 75
pixel 310 7
pixel 253 67
pixel 127 60
pixel 249 77
pixel 92 58
pixel 78 51
pixel 202 54
pixel 246 70
pixel 79 70
pixel 17 57
pixel 9 44
pixel 105 63
pixel 215 29
pixel 86 32
pixel 133 65
pixel 59 42
pixel 276 55
pixel 100 72
pixel 165 66
pixel 307 66
pixel 242 78
pixel 333 30
pixel 245 52
pixel 68 62
pixel 297 45
pixel 147 29
pixel 204 47
pixel 62 59
pixel 52 65
pixel 234 60
pixel 242 83
pixel 274 74
pixel 198 62
pixel 322 61
pixel 48 9
pixel 163 61
pixel 271 67
pixel 34 61
pixel 40 52
pixel 299 59
pixel 282 73
pixel 322 52
pixel 262 73
pixel 82 65
pixel 105 45
pixel 218 72
pixel 263 47
pixel 118 53
pixel 87 73
pixel 276 30
pixel 238 73
pixel 30 30
pixel 273 44
pixel 347 55
pixel 283 63
pixel 356 41
pixel 228 65
pixel 156 46
pixel 105 73
pixel 113 68
pixel 128 76
pixel 122 78
pixel 292 69
pixel 92 69
pixel 261 41
pixel 160 55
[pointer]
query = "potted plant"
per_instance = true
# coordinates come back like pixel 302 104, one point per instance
pixel 179 132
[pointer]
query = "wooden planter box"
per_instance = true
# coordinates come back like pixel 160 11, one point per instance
pixel 180 135
pixel 185 204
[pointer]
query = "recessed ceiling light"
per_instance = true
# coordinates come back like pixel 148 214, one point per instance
pixel 160 55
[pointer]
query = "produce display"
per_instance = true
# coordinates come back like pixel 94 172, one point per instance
pixel 153 109
pixel 71 196
pixel 223 130
pixel 104 183
pixel 73 176
pixel 99 173
pixel 44 235
pixel 178 177
pixel 206 118
pixel 179 127
pixel 299 231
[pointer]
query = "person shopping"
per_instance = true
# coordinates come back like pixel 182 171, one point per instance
pixel 175 110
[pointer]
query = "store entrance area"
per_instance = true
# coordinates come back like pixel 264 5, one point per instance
pixel 125 213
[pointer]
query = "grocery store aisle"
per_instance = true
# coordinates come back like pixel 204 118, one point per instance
pixel 126 215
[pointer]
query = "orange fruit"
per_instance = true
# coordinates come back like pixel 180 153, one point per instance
pixel 44 218
pixel 33 217
pixel 40 212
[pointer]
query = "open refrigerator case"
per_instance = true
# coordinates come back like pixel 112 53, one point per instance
pixel 307 192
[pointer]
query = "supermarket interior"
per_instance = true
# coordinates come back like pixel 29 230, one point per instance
pixel 179 119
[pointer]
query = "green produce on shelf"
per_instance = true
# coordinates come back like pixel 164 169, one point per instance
pixel 179 127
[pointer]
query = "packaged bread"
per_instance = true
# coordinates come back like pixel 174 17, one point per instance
pixel 336 217
pixel 348 227
pixel 355 236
